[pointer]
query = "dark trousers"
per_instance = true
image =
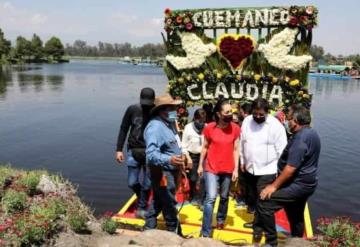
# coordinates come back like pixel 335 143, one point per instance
pixel 163 200
pixel 195 194
pixel 265 220
pixel 254 185
pixel 242 187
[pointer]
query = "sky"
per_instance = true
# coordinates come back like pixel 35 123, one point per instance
pixel 141 21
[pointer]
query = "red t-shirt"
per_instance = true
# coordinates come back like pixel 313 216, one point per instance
pixel 220 155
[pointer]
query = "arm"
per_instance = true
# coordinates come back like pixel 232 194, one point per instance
pixel 185 141
pixel 154 141
pixel 124 128
pixel 236 160
pixel 242 146
pixel 297 151
pixel 281 140
pixel 285 175
pixel 203 154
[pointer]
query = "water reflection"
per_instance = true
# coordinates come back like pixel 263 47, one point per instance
pixel 56 82
pixel 37 82
pixel 25 81
pixel 5 80
pixel 327 87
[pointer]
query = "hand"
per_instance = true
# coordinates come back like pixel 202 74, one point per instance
pixel 177 160
pixel 267 192
pixel 242 168
pixel 120 157
pixel 200 170
pixel 235 175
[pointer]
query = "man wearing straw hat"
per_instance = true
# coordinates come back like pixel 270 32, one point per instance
pixel 164 159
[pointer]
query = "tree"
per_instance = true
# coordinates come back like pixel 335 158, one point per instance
pixel 23 48
pixel 317 52
pixel 5 45
pixel 37 49
pixel 54 48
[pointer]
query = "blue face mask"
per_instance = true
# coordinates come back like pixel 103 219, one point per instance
pixel 172 116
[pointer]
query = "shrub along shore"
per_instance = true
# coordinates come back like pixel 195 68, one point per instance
pixel 42 209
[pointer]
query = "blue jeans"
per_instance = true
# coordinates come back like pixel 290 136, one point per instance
pixel 163 200
pixel 212 181
pixel 140 185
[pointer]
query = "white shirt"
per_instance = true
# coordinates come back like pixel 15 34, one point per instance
pixel 191 140
pixel 261 145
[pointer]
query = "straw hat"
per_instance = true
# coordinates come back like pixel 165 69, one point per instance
pixel 164 100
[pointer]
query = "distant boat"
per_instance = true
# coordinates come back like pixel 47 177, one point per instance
pixel 333 76
pixel 341 72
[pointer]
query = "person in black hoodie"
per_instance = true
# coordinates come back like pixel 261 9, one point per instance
pixel 135 120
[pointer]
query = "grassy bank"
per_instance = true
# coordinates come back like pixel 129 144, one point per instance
pixel 36 206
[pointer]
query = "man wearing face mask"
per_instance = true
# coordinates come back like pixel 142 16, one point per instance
pixel 192 141
pixel 262 141
pixel 297 179
pixel 135 119
pixel 164 159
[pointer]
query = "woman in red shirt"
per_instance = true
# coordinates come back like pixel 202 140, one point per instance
pixel 221 149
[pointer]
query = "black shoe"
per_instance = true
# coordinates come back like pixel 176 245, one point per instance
pixel 249 225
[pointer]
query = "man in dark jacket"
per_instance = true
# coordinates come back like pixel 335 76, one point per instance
pixel 135 119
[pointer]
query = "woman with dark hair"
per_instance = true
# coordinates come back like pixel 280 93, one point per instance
pixel 192 141
pixel 221 149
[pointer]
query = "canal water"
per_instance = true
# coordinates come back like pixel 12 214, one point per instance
pixel 66 118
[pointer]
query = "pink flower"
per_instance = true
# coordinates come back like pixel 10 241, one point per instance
pixel 3 228
pixel 167 11
pixel 189 26
pixel 303 18
pixel 293 21
pixel 179 19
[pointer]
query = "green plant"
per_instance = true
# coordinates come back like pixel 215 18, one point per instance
pixel 77 216
pixel 337 232
pixel 77 222
pixel 30 180
pixel 49 211
pixel 108 224
pixel 14 201
pixel 30 230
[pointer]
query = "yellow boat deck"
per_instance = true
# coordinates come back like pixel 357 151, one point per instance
pixel 233 232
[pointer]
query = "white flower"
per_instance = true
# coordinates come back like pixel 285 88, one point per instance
pixel 196 52
pixel 277 51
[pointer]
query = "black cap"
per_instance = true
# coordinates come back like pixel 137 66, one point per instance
pixel 147 96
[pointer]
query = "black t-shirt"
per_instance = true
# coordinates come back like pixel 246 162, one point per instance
pixel 302 152
pixel 136 120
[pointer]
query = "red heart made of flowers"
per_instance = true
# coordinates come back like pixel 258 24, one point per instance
pixel 236 48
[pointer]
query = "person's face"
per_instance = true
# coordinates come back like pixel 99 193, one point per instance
pixel 259 115
pixel 146 108
pixel 243 114
pixel 235 118
pixel 291 122
pixel 169 113
pixel 226 113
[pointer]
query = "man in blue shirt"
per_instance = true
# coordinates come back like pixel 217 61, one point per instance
pixel 296 181
pixel 164 159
